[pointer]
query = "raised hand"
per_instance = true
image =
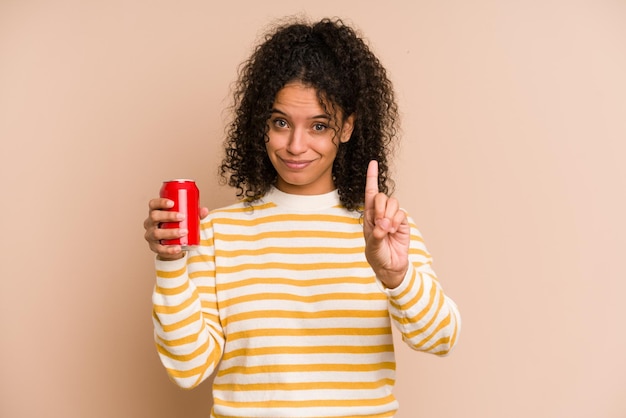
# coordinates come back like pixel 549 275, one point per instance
pixel 386 231
pixel 158 213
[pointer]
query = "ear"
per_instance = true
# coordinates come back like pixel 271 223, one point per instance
pixel 347 128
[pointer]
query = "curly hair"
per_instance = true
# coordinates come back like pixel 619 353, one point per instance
pixel 331 57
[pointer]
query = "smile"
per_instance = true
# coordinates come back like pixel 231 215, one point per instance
pixel 296 165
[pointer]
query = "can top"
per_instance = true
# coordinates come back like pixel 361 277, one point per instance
pixel 180 181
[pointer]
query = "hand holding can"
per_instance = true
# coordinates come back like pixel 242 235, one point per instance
pixel 186 197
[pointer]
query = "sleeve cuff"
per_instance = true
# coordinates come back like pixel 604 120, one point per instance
pixel 168 270
pixel 170 265
pixel 396 291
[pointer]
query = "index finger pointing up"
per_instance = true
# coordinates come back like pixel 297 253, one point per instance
pixel 371 184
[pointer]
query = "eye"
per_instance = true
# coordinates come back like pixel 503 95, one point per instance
pixel 280 123
pixel 319 127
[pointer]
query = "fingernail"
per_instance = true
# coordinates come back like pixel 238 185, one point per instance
pixel 182 232
pixel 180 216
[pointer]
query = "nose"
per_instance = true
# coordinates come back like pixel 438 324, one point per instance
pixel 297 142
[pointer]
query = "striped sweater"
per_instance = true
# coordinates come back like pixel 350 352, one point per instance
pixel 280 299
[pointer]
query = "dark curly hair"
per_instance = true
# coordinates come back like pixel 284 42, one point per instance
pixel 331 57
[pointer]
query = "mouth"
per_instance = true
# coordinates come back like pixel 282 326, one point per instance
pixel 296 164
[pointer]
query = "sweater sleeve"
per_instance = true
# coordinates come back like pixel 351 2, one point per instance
pixel 187 329
pixel 428 319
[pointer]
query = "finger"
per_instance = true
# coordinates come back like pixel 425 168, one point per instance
pixel 391 208
pixel 174 251
pixel 387 215
pixel 157 216
pixel 380 206
pixel 398 220
pixel 204 212
pixel 159 212
pixel 155 236
pixel 160 203
pixel 161 234
pixel 371 184
pixel 167 252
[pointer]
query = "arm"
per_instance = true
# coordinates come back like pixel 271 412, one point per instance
pixel 429 320
pixel 187 329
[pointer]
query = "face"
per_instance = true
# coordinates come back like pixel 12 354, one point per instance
pixel 303 140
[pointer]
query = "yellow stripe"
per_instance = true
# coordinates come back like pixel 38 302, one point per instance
pixel 200 258
pixel 162 309
pixel 389 414
pixel 440 304
pixel 180 324
pixel 441 325
pixel 431 322
pixel 432 296
pixel 293 267
pixel 211 360
pixel 304 386
pixel 289 234
pixel 408 289
pixel 178 342
pixel 299 332
pixel 418 238
pixel 185 357
pixel 307 404
pixel 456 323
pixel 171 274
pixel 304 299
pixel 423 312
pixel 208 305
pixel 269 314
pixel 307 368
pixel 296 282
pixel 324 349
pixel 419 317
pixel 203 290
pixel 186 373
pixel 170 291
pixel 206 242
pixel 295 217
pixel 444 340
pixel 288 250
pixel 202 273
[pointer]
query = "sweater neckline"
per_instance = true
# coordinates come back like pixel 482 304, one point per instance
pixel 302 202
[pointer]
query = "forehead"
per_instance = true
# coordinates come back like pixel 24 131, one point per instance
pixel 296 96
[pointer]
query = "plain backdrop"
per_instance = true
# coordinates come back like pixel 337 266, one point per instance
pixel 512 163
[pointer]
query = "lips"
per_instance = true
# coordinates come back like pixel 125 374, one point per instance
pixel 296 164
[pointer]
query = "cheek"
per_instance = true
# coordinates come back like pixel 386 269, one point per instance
pixel 270 142
pixel 276 142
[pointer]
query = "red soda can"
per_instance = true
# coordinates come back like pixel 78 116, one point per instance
pixel 186 197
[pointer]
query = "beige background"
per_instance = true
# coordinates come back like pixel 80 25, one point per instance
pixel 514 140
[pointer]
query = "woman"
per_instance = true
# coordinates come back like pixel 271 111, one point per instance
pixel 291 295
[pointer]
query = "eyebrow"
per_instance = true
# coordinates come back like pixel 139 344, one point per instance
pixel 322 116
